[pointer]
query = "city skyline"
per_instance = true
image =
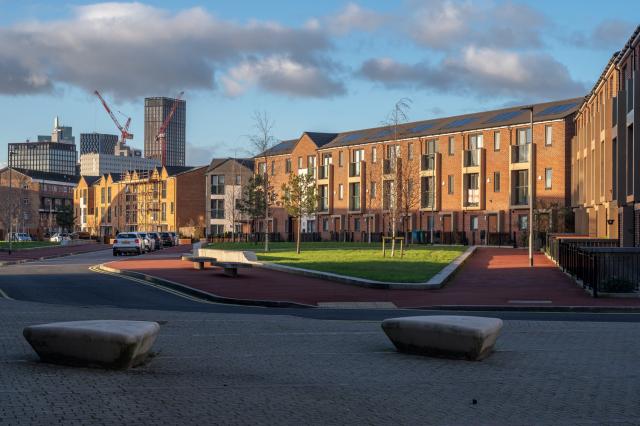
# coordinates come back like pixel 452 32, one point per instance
pixel 310 67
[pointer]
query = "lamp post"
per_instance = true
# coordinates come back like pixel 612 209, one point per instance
pixel 531 181
pixel 9 154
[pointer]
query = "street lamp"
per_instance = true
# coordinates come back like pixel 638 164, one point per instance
pixel 9 154
pixel 531 181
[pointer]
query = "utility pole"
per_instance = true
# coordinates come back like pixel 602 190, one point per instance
pixel 11 198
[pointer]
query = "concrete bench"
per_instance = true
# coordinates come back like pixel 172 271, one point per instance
pixel 105 343
pixel 448 336
pixel 230 269
pixel 199 261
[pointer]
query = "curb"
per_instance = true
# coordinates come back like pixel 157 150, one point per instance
pixel 434 283
pixel 209 297
pixel 542 309
pixel 21 261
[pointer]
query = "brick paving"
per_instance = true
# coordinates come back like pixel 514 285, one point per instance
pixel 227 369
pixel 45 252
pixel 491 277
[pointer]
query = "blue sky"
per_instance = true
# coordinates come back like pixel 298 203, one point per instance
pixel 321 66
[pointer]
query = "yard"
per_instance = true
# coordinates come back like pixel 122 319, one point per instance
pixel 21 245
pixel 361 260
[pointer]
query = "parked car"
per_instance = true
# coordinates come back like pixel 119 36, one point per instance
pixel 157 239
pixel 167 239
pixel 128 242
pixel 148 243
pixel 59 237
pixel 175 238
pixel 20 236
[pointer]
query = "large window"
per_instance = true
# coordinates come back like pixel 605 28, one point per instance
pixel 287 165
pixel 523 136
pixel 428 192
pixel 217 209
pixel 451 146
pixel 354 194
pixel 521 187
pixel 496 141
pixel 548 177
pixel 475 141
pixel 323 195
pixel 548 135
pixel 217 184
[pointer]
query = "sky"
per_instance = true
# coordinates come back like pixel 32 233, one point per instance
pixel 325 66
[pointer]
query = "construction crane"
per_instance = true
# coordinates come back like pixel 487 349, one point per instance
pixel 161 136
pixel 124 131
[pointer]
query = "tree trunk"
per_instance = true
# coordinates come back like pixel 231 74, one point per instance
pixel 369 230
pixel 298 231
pixel 393 236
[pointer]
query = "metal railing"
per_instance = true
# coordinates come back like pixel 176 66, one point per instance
pixel 323 171
pixel 521 196
pixel 428 162
pixel 323 204
pixel 520 153
pixel 354 169
pixel 354 203
pixel 472 198
pixel 427 199
pixel 389 166
pixel 472 158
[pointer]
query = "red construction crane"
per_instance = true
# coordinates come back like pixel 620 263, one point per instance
pixel 161 132
pixel 124 131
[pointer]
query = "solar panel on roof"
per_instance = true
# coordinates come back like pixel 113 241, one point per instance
pixel 382 133
pixel 557 109
pixel 461 122
pixel 351 137
pixel 504 116
pixel 421 127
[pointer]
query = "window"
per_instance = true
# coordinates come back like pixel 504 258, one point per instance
pixel 374 190
pixel 475 141
pixel 548 135
pixel 374 154
pixel 450 184
pixel 496 181
pixel 217 230
pixel 410 151
pixel 273 168
pixel 354 194
pixel 217 209
pixel 523 136
pixel 340 191
pixel 262 168
pixel 521 187
pixel 474 223
pixel 325 224
pixel 430 222
pixel 217 184
pixel 163 215
pixel 299 162
pixel 323 195
pixel 163 189
pixel 102 195
pixel 287 165
pixel 238 179
pixel 548 177
pixel 339 158
pixel 523 222
pixel 356 224
pixel 452 146
pixel 496 141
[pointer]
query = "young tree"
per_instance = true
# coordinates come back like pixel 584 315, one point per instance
pixel 65 218
pixel 262 141
pixel 393 191
pixel 300 199
pixel 255 197
pixel 408 191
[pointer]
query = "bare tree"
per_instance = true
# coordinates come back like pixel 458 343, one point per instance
pixel 408 190
pixel 392 164
pixel 373 200
pixel 300 198
pixel 262 140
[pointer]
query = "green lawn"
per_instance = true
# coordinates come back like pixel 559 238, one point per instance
pixel 21 245
pixel 357 259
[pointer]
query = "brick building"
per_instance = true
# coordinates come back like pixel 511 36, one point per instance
pixel 465 177
pixel 606 176
pixel 161 199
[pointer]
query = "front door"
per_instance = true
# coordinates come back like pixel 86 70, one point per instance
pixel 492 223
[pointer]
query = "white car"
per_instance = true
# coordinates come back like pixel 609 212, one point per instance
pixel 175 238
pixel 58 238
pixel 149 244
pixel 21 236
pixel 128 242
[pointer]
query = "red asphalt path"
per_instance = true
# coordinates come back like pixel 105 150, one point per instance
pixel 491 277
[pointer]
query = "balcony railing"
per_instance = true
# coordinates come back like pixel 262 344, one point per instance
pixel 630 94
pixel 311 171
pixel 472 198
pixel 354 203
pixel 354 169
pixel 472 158
pixel 520 153
pixel 217 189
pixel 323 171
pixel 389 166
pixel 521 196
pixel 427 200
pixel 428 162
pixel 323 204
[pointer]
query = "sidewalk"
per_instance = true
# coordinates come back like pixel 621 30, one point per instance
pixel 47 252
pixel 492 277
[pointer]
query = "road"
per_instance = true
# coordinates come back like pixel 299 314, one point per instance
pixel 69 281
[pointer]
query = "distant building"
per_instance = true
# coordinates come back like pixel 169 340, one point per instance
pixel 99 164
pixel 155 112
pixel 54 154
pixel 225 181
pixel 97 143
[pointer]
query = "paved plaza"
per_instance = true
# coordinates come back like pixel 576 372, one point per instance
pixel 214 368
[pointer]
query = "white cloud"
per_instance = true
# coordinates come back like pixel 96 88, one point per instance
pixel 354 17
pixel 608 34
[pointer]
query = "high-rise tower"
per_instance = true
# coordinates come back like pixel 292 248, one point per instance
pixel 155 111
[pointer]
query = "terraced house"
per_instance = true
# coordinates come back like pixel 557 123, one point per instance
pixel 464 177
pixel 606 151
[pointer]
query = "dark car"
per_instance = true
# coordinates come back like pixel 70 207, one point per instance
pixel 167 239
pixel 157 239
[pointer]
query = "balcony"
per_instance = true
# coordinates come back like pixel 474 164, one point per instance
pixel 217 189
pixel 472 198
pixel 354 169
pixel 311 171
pixel 323 172
pixel 389 166
pixel 427 200
pixel 428 162
pixel 472 158
pixel 521 196
pixel 323 204
pixel 520 153
pixel 354 203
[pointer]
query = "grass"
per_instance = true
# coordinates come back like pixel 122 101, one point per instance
pixel 361 260
pixel 21 245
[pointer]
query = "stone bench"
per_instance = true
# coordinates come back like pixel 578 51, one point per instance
pixel 105 343
pixel 230 269
pixel 448 336
pixel 199 261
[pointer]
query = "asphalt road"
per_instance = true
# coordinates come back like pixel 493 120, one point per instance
pixel 69 281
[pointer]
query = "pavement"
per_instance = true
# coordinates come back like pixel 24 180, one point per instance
pixel 492 277
pixel 19 256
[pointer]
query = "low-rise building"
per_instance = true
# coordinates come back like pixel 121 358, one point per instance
pixel 96 164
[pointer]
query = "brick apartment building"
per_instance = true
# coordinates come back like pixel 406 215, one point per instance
pixel 466 176
pixel 605 190
pixel 225 181
pixel 161 199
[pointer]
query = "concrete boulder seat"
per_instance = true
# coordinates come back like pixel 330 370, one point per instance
pixel 111 344
pixel 446 336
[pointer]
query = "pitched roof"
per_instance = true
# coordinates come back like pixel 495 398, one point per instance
pixel 38 175
pixel 284 147
pixel 176 170
pixel 475 121
pixel 321 139
pixel 217 162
